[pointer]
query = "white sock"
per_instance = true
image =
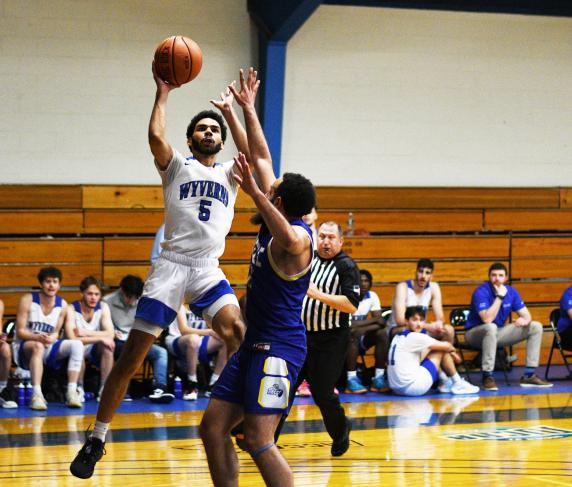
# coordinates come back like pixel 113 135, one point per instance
pixel 352 374
pixel 192 377
pixel 3 385
pixel 379 373
pixel 100 430
pixel 443 377
pixel 37 390
pixel 214 378
pixel 72 387
pixel 456 378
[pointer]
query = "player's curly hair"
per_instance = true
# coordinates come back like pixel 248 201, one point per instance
pixel 298 195
pixel 207 114
pixel 51 271
pixel 90 281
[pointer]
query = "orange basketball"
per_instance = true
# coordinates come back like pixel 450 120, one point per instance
pixel 178 60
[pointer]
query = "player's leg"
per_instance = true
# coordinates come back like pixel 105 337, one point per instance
pixel 105 362
pixel 228 325
pixel 219 418
pixel 6 399
pixel 379 339
pixel 355 347
pixel 259 441
pixel 32 354
pixel 72 350
pixel 187 346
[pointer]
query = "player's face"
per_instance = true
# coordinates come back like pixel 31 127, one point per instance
pixel 329 241
pixel 497 277
pixel 423 276
pixel 129 300
pixel 364 285
pixel 415 323
pixel 207 138
pixel 50 286
pixel 91 296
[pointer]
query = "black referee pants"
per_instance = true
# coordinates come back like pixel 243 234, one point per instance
pixel 324 363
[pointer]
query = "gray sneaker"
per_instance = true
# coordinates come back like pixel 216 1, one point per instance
pixel 533 381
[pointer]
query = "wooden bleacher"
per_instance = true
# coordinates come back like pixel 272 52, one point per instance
pixel 107 231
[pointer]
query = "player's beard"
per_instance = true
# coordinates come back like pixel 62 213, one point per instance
pixel 206 151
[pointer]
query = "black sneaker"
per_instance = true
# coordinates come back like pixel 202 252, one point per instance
pixel 84 462
pixel 339 447
pixel 7 399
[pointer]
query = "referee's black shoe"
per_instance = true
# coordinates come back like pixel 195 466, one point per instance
pixel 84 462
pixel 339 447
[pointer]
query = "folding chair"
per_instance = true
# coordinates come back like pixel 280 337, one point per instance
pixel 458 317
pixel 557 342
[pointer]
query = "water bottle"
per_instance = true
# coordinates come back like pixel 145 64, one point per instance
pixel 28 393
pixel 178 388
pixel 350 230
pixel 88 395
pixel 21 394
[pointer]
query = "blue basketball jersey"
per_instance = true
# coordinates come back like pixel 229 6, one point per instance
pixel 274 302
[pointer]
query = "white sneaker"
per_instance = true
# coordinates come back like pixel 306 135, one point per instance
pixel 38 403
pixel 73 400
pixel 445 387
pixel 464 387
pixel 191 395
pixel 81 394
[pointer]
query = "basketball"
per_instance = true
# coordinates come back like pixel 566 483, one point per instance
pixel 178 60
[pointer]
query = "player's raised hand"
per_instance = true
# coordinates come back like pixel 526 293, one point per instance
pixel 243 175
pixel 226 99
pixel 162 86
pixel 248 88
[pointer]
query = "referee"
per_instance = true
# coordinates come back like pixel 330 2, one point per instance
pixel 332 298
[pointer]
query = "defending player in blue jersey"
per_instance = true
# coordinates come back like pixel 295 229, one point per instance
pixel 257 385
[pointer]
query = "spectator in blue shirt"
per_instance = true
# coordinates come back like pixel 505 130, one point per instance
pixel 565 321
pixel 491 306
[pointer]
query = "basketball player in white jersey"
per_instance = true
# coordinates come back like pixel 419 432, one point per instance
pixel 89 320
pixel 38 324
pixel 190 341
pixel 420 291
pixel 199 196
pixel 416 361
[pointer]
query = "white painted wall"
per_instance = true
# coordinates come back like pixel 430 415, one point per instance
pixel 76 86
pixel 373 96
pixel 403 97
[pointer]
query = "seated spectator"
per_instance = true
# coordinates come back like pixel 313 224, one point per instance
pixel 190 342
pixel 416 361
pixel 420 291
pixel 367 330
pixel 491 305
pixel 123 305
pixel 564 328
pixel 38 324
pixel 89 320
pixel 6 396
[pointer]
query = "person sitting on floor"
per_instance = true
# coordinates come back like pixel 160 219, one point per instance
pixel 417 360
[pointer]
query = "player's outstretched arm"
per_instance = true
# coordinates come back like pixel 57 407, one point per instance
pixel 159 146
pixel 238 132
pixel 258 147
pixel 289 238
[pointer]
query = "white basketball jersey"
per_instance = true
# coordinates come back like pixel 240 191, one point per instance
pixel 38 322
pixel 199 206
pixel 80 321
pixel 405 357
pixel 412 299
pixel 369 303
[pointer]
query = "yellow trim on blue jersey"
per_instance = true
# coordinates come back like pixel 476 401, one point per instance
pixel 281 274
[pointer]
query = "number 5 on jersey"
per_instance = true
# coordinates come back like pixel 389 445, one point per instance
pixel 204 211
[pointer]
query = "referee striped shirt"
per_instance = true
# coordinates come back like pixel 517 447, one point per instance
pixel 337 276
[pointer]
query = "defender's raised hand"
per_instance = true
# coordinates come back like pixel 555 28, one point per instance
pixel 248 88
pixel 243 175
pixel 226 99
